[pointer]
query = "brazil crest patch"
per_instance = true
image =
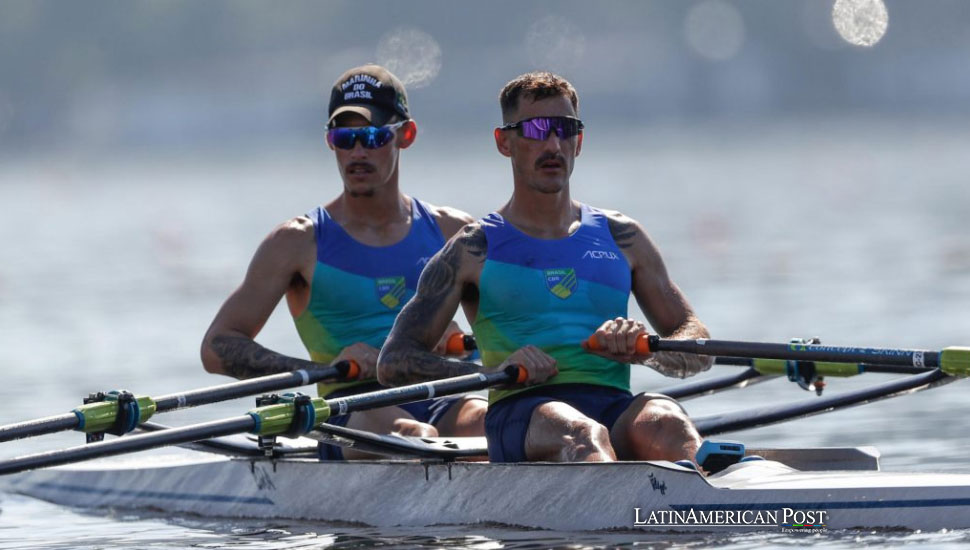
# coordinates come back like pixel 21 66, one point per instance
pixel 390 291
pixel 561 281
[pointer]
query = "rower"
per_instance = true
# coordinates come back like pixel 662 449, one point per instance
pixel 539 276
pixel 348 267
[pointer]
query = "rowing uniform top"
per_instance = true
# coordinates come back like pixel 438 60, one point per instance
pixel 553 294
pixel 357 290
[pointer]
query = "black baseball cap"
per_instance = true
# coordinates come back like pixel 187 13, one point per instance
pixel 370 91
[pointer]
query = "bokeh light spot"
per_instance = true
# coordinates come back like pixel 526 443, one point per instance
pixel 860 22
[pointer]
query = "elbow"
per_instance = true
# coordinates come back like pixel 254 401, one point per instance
pixel 387 369
pixel 210 360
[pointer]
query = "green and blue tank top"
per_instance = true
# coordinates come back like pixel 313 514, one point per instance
pixel 553 294
pixel 357 290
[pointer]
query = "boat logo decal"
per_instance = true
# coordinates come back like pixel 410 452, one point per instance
pixel 561 281
pixel 262 478
pixel 390 291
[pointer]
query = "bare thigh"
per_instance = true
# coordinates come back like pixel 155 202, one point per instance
pixel 465 418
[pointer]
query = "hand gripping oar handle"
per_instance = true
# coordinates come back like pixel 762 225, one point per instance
pixel 954 361
pixel 270 420
pixel 642 345
pixel 95 416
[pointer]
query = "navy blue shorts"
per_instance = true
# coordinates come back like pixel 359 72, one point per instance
pixel 507 420
pixel 428 411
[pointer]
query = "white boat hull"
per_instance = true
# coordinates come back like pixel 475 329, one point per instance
pixel 536 495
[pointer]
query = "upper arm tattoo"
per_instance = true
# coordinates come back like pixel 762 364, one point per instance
pixel 624 231
pixel 405 353
pixel 440 276
pixel 243 358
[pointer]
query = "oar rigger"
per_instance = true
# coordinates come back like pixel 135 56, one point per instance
pixel 115 412
pixel 291 414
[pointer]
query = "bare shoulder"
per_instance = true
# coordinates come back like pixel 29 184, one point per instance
pixel 289 244
pixel 626 231
pixel 294 232
pixel 634 241
pixel 450 220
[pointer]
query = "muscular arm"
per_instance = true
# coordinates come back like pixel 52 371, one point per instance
pixel 406 357
pixel 228 347
pixel 660 299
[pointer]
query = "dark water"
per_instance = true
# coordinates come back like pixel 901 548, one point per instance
pixel 854 231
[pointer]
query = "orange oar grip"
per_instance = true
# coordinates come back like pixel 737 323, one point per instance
pixel 353 371
pixel 642 345
pixel 456 344
pixel 523 375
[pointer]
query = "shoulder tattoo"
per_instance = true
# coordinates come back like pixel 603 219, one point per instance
pixel 623 229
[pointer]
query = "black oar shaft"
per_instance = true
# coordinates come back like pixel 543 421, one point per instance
pixel 128 444
pixel 416 392
pixel 799 352
pixel 711 385
pixel 244 388
pixel 41 426
pixel 761 416
pixel 193 398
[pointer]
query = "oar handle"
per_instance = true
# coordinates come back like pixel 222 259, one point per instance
pixel 642 346
pixel 460 344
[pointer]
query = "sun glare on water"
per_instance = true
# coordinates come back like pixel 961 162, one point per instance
pixel 860 22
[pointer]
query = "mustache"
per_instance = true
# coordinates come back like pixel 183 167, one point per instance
pixel 364 165
pixel 550 156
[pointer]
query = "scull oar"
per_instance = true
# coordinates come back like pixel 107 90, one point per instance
pixel 104 415
pixel 952 360
pixel 761 370
pixel 296 416
pixel 761 416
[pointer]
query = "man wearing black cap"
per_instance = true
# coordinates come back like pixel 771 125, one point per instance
pixel 348 267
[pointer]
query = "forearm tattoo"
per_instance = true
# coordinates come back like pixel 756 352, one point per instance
pixel 243 358
pixel 405 357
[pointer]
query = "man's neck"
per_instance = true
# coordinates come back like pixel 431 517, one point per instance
pixel 379 209
pixel 542 215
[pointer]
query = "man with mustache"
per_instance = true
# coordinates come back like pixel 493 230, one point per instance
pixel 348 267
pixel 539 277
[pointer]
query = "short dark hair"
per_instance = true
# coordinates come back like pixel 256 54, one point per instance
pixel 535 85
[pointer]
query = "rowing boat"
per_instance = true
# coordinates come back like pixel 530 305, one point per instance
pixel 782 492
pixel 220 472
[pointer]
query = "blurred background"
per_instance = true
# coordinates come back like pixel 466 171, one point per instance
pixel 802 166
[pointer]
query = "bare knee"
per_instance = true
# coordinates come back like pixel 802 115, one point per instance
pixel 586 440
pixel 662 431
pixel 409 427
pixel 558 432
